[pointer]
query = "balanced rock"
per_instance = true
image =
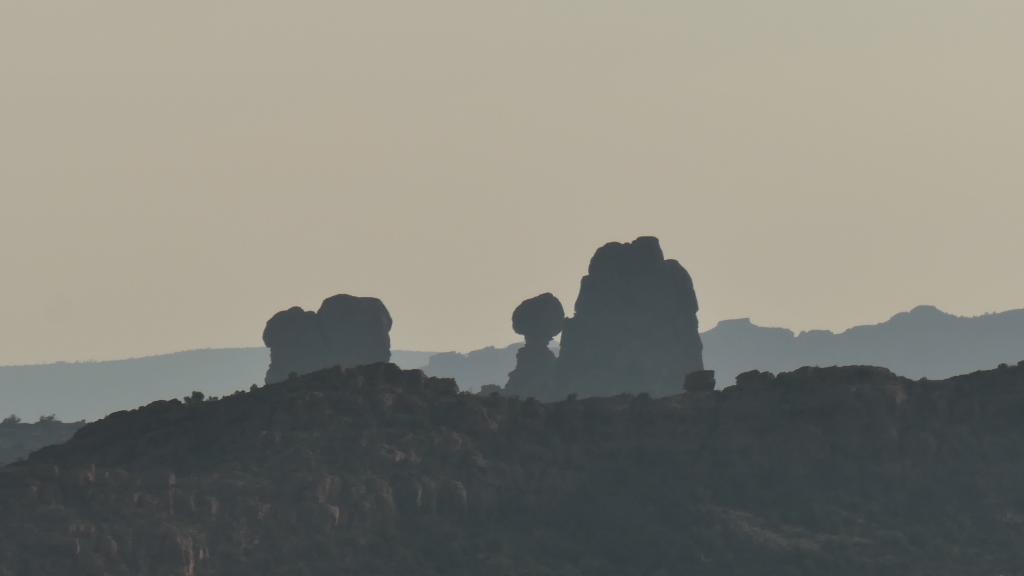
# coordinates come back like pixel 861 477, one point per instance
pixel 635 326
pixel 538 319
pixel 346 331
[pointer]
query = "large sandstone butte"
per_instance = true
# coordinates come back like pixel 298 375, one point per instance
pixel 346 331
pixel 635 328
pixel 371 470
pixel 538 320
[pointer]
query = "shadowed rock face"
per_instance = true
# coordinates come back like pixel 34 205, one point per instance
pixel 538 319
pixel 346 331
pixel 635 328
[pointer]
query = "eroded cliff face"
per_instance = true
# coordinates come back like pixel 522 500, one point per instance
pixel 374 470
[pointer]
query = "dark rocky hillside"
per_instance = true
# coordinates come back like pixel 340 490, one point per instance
pixel 476 369
pixel 376 471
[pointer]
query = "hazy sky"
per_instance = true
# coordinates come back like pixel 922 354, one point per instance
pixel 172 173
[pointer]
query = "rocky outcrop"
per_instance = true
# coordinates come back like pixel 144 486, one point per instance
pixel 635 325
pixel 538 320
pixel 346 331
pixel 372 470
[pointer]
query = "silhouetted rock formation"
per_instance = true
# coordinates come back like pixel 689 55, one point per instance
pixel 635 328
pixel 296 344
pixel 371 470
pixel 922 343
pixel 346 331
pixel 538 319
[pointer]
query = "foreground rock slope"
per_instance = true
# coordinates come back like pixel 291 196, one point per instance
pixel 379 471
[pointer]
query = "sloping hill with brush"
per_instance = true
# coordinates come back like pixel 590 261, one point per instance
pixel 380 471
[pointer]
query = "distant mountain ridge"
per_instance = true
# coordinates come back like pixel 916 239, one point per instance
pixel 91 390
pixel 922 343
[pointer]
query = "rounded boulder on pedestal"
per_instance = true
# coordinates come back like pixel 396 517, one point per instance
pixel 539 318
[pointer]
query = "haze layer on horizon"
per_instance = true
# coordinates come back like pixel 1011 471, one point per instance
pixel 174 173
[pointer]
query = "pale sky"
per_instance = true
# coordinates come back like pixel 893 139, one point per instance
pixel 173 173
